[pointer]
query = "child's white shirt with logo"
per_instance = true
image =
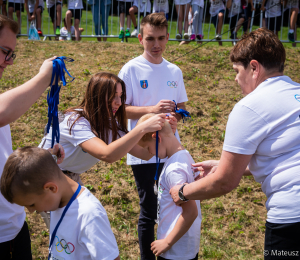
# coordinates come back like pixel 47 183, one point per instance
pixel 84 232
pixel 176 171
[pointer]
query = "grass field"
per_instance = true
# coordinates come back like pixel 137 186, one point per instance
pixel 114 27
pixel 233 225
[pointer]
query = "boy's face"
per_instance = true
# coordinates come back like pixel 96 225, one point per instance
pixel 151 146
pixel 48 200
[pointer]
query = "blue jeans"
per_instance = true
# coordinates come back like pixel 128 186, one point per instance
pixel 144 178
pixel 100 17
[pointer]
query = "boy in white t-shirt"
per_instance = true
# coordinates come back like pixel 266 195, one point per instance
pixel 236 15
pixel 178 231
pixel 31 178
pixel 74 11
pixel 54 9
pixel 217 10
pixel 34 9
pixel 144 8
pixel 273 14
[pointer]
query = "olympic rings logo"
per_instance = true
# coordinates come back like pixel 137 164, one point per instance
pixel 172 84
pixel 63 245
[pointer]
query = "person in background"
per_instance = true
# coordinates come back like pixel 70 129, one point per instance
pixel 3 7
pixel 144 9
pixel 272 9
pixel 161 7
pixel 54 9
pixel 293 7
pixel 34 9
pixel 123 9
pixel 236 16
pixel 101 11
pixel 182 9
pixel 217 10
pixel 197 11
pixel 74 11
pixel 16 6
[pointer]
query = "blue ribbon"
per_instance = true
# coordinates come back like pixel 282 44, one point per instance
pixel 61 218
pixel 182 112
pixel 59 69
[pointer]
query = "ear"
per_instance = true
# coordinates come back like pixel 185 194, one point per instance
pixel 168 35
pixel 140 38
pixel 50 186
pixel 255 68
pixel 154 137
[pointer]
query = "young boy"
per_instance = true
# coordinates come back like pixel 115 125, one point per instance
pixel 145 9
pixel 123 9
pixel 54 9
pixel 178 231
pixel 18 7
pixel 217 10
pixel 74 11
pixel 34 9
pixel 236 17
pixel 31 178
pixel 273 14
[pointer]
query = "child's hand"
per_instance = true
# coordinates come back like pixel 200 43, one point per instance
pixel 173 122
pixel 160 246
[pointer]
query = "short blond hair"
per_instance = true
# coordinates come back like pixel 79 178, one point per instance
pixel 27 170
pixel 166 129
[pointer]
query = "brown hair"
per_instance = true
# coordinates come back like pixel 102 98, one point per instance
pixel 96 106
pixel 166 129
pixel 261 45
pixel 7 22
pixel 156 20
pixel 27 170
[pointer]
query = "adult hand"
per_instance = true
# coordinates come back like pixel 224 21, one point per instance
pixel 205 168
pixel 177 116
pixel 154 123
pixel 160 246
pixel 174 194
pixel 163 106
pixel 59 151
pixel 46 69
pixel 173 122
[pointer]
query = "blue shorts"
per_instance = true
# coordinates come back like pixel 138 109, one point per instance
pixel 215 18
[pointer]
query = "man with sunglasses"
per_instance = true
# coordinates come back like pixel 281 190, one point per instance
pixel 14 234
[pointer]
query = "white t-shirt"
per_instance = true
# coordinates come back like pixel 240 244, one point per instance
pixel 275 10
pixel 182 2
pixel 235 9
pixel 84 232
pixel 292 4
pixel 75 4
pixel 64 33
pixel 147 84
pixel 76 160
pixel 266 124
pixel 161 6
pixel 12 216
pixel 198 2
pixel 127 1
pixel 31 4
pixel 215 7
pixel 16 1
pixel 142 5
pixel 177 170
pixel 50 3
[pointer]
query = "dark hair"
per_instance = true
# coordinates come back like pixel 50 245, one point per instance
pixel 7 22
pixel 96 106
pixel 27 170
pixel 261 45
pixel 156 20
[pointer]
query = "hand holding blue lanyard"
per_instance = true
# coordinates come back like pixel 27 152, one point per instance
pixel 59 69
pixel 183 114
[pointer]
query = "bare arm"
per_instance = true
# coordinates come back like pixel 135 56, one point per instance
pixel 263 5
pixel 17 101
pixel 183 224
pixel 163 106
pixel 117 149
pixel 226 177
pixel 228 5
pixel 141 153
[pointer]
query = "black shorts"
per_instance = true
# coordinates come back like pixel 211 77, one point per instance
pixel 124 7
pixel 270 23
pixel 39 7
pixel 76 13
pixel 282 241
pixel 234 20
pixel 19 247
pixel 52 11
pixel 161 258
pixel 16 6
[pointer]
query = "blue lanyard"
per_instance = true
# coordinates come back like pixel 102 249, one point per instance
pixel 61 218
pixel 182 112
pixel 59 69
pixel 156 157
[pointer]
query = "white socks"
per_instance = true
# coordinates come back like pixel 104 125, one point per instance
pixel 291 31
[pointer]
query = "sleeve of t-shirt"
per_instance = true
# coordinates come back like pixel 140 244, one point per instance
pixel 182 94
pixel 245 130
pixel 99 239
pixel 175 175
pixel 81 132
pixel 124 75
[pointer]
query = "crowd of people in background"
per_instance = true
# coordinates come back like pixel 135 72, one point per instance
pixel 190 14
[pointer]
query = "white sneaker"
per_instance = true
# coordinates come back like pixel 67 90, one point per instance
pixel 186 36
pixel 218 37
pixel 134 33
pixel 69 37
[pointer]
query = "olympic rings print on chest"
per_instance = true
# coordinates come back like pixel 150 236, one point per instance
pixel 63 245
pixel 172 84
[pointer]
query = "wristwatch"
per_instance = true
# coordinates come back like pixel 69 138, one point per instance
pixel 180 194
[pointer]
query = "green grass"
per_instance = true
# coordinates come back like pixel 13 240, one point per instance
pixel 88 26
